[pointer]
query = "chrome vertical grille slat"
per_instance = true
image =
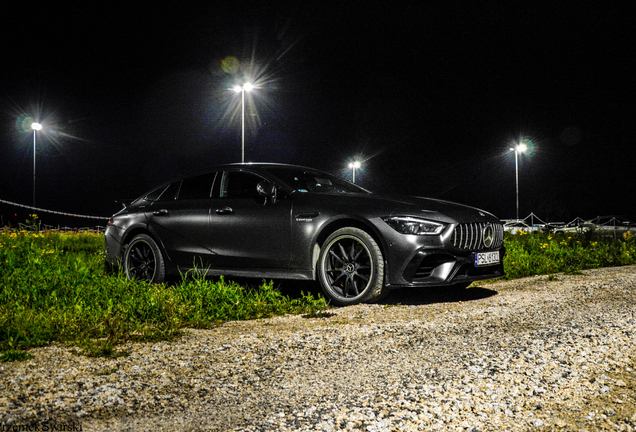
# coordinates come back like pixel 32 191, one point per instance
pixel 470 236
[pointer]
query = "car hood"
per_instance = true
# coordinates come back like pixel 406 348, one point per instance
pixel 439 210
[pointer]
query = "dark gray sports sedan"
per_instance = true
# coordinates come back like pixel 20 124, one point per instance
pixel 289 222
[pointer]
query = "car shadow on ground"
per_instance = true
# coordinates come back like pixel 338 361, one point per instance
pixel 403 296
pixel 422 296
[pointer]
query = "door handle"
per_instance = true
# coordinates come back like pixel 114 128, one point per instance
pixel 307 217
pixel 224 210
pixel 162 212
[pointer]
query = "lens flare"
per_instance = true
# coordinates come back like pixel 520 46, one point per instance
pixel 230 65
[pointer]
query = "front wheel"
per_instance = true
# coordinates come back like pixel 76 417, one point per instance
pixel 143 260
pixel 351 267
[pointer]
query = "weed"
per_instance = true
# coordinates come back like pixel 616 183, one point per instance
pixel 541 253
pixel 13 355
pixel 54 288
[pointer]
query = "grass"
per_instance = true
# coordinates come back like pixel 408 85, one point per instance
pixel 547 254
pixel 54 288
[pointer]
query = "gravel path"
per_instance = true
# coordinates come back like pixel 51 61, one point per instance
pixel 539 353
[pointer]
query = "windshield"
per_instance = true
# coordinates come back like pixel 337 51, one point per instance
pixel 305 180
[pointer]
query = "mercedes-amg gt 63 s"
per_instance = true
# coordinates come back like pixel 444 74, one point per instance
pixel 278 221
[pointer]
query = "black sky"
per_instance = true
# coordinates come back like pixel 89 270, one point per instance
pixel 431 98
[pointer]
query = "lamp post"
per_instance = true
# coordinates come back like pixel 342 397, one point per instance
pixel 242 89
pixel 520 148
pixel 36 127
pixel 354 165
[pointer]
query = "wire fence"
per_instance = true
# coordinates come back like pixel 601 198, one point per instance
pixel 601 224
pixel 44 227
pixel 532 222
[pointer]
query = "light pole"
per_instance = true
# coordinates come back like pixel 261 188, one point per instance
pixel 520 148
pixel 242 89
pixel 36 127
pixel 354 165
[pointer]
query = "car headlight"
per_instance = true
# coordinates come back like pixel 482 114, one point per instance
pixel 415 226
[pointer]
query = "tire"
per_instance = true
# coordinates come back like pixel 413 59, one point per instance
pixel 143 260
pixel 351 267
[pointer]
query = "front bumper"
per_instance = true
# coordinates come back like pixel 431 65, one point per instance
pixel 443 260
pixel 439 267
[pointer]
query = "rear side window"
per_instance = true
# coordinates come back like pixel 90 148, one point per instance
pixel 197 187
pixel 154 195
pixel 170 194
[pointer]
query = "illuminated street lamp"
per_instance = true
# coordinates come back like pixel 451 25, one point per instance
pixel 520 148
pixel 36 127
pixel 354 165
pixel 242 89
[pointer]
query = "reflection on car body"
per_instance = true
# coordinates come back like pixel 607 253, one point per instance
pixel 290 222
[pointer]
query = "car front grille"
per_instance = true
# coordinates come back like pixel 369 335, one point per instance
pixel 471 236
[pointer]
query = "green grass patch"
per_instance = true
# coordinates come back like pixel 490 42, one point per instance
pixel 542 253
pixel 54 288
pixel 13 355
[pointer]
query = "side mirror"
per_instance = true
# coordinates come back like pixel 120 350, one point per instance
pixel 267 190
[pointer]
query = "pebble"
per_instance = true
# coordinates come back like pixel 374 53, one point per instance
pixel 524 355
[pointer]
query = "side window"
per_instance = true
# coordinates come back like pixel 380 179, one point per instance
pixel 170 194
pixel 197 187
pixel 237 184
pixel 154 195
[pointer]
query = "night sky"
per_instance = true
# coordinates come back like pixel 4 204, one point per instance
pixel 429 98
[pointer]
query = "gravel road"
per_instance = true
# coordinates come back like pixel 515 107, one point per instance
pixel 541 353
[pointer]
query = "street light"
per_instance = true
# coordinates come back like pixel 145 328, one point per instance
pixel 36 127
pixel 354 165
pixel 520 148
pixel 242 89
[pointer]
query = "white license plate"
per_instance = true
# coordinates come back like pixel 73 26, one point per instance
pixel 486 258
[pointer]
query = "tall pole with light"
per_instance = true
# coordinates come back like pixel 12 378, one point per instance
pixel 520 148
pixel 354 165
pixel 242 89
pixel 36 127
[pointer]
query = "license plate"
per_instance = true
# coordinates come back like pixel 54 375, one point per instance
pixel 486 258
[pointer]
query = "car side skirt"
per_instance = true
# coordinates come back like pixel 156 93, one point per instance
pixel 294 274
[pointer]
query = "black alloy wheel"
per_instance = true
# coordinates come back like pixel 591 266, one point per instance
pixel 143 260
pixel 351 267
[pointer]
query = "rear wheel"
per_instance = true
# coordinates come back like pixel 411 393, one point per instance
pixel 351 267
pixel 143 260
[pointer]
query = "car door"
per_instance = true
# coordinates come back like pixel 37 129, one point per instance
pixel 245 231
pixel 181 219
